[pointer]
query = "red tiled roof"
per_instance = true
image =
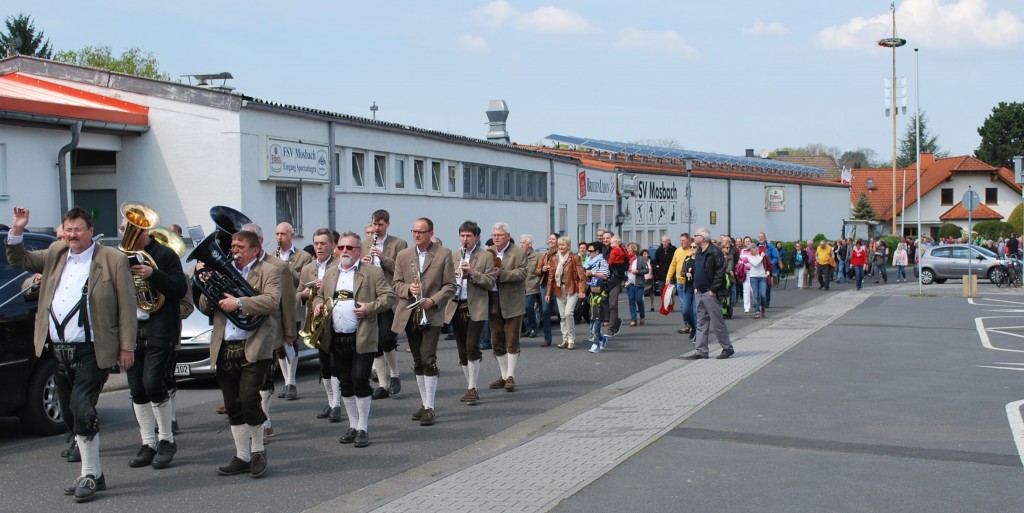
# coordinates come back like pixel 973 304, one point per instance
pixel 958 212
pixel 821 161
pixel 29 95
pixel 934 172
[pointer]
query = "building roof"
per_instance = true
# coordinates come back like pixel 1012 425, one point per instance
pixel 824 162
pixel 676 168
pixel 959 213
pixel 28 98
pixel 934 172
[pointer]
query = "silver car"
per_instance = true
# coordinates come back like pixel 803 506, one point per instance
pixel 940 263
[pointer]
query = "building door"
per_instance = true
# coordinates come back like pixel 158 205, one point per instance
pixel 102 205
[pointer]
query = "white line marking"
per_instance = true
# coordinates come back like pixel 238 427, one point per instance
pixel 1000 368
pixel 979 323
pixel 1016 426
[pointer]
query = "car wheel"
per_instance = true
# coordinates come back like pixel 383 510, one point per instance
pixel 41 413
pixel 940 281
pixel 928 276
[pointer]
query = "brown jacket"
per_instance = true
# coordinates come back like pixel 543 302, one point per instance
pixel 372 290
pixel 573 276
pixel 111 295
pixel 259 343
pixel 288 314
pixel 512 282
pixel 296 262
pixel 438 283
pixel 392 246
pixel 478 284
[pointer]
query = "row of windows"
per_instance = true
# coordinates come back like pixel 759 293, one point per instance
pixel 488 182
pixel 991 196
pixel 398 178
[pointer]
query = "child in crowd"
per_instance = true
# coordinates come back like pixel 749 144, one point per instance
pixel 597 298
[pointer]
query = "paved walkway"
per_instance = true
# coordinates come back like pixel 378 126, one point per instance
pixel 518 470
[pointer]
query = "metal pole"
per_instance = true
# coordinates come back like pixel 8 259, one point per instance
pixel 895 111
pixel 970 248
pixel 917 86
pixel 903 207
pixel 689 206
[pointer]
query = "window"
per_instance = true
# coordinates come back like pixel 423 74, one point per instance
pixel 435 176
pixel 399 173
pixel 520 182
pixel 417 175
pixel 467 181
pixel 481 182
pixel 493 176
pixel 947 196
pixel 380 170
pixel 289 206
pixel 991 195
pixel 358 169
pixel 505 176
pixel 451 179
pixel 337 168
pixel 530 186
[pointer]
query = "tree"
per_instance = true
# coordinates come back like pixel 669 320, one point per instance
pixel 1002 135
pixel 863 209
pixel 133 61
pixel 1016 219
pixel 664 142
pixel 950 230
pixel 21 39
pixel 908 144
pixel 855 159
pixel 811 150
pixel 993 229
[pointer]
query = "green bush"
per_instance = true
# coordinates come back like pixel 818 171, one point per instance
pixel 818 238
pixel 950 230
pixel 891 242
pixel 993 230
pixel 1016 219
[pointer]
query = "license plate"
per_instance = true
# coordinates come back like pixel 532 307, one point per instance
pixel 182 370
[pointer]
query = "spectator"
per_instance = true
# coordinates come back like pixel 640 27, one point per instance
pixel 567 285
pixel 859 260
pixel 757 275
pixel 635 284
pixel 823 259
pixel 677 272
pixel 880 255
pixel 662 260
pixel 799 264
pixel 899 259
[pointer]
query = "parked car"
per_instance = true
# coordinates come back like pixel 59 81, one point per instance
pixel 939 263
pixel 194 355
pixel 28 389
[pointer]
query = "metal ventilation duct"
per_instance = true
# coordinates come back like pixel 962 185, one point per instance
pixel 497 114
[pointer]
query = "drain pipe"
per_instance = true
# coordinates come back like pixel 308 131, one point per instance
pixel 335 172
pixel 62 167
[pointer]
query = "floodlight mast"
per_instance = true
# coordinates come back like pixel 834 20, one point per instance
pixel 893 43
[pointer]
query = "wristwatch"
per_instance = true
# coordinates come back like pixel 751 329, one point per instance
pixel 238 303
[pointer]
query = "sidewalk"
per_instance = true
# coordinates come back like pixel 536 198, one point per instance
pixel 536 473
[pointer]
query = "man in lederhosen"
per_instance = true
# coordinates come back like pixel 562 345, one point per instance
pixel 382 254
pixel 359 292
pixel 313 273
pixel 158 334
pixel 244 356
pixel 467 311
pixel 507 300
pixel 87 316
pixel 423 274
pixel 295 259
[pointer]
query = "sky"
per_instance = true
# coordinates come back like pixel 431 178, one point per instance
pixel 716 76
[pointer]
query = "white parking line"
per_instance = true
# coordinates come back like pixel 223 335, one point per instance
pixel 979 323
pixel 1016 426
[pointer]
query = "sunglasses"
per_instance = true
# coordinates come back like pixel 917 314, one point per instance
pixel 591 250
pixel 347 248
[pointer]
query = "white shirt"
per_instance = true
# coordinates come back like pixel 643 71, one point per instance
pixel 232 332
pixel 321 268
pixel 286 255
pixel 68 293
pixel 343 317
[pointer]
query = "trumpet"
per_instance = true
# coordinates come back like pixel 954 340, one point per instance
pixel 418 310
pixel 315 324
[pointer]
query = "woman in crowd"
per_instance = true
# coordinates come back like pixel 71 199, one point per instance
pixel 744 257
pixel 799 264
pixel 858 260
pixel 899 260
pixel 649 284
pixel 635 281
pixel 732 255
pixel 567 284
pixel 777 277
pixel 757 276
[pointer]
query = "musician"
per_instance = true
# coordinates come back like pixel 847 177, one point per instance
pixel 507 300
pixel 358 291
pixel 244 357
pixel 159 332
pixel 313 272
pixel 467 311
pixel 296 259
pixel 287 326
pixel 382 252
pixel 87 320
pixel 423 273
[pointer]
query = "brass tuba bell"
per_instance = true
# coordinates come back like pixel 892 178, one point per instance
pixel 169 239
pixel 140 217
pixel 314 326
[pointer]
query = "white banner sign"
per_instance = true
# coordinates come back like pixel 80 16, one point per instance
pixel 295 161
pixel 596 185
pixel 775 199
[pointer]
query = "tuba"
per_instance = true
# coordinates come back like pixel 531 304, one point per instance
pixel 168 239
pixel 140 217
pixel 314 325
pixel 218 275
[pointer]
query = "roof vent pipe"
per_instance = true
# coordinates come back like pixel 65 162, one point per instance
pixel 497 114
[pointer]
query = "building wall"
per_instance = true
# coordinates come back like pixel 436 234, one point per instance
pixel 932 207
pixel 28 173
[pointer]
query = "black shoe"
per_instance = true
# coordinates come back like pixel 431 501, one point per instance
pixel 258 464
pixel 693 335
pixel 325 413
pixel 100 484
pixel 87 487
pixel 144 458
pixel 290 392
pixel 165 451
pixel 531 334
pixel 362 438
pixel 74 453
pixel 726 353
pixel 381 393
pixel 348 437
pixel 335 414
pixel 174 427
pixel 234 467
pixel 696 356
pixel 395 386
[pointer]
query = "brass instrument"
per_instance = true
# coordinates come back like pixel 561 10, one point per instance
pixel 140 217
pixel 494 254
pixel 167 238
pixel 315 324
pixel 218 275
pixel 418 310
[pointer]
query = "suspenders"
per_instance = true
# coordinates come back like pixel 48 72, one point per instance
pixel 81 307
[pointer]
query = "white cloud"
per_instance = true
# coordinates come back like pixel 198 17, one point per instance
pixel 761 28
pixel 935 23
pixel 471 43
pixel 548 19
pixel 665 42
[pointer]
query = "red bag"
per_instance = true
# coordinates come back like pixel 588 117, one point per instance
pixel 667 294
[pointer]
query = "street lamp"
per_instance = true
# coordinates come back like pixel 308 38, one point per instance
pixel 894 43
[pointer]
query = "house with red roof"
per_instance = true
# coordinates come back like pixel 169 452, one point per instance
pixel 943 184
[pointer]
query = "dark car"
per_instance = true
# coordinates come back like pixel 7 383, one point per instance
pixel 27 386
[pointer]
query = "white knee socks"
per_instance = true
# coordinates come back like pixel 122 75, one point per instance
pixel 147 421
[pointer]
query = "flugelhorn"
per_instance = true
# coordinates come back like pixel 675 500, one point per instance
pixel 140 217
pixel 315 324
pixel 169 239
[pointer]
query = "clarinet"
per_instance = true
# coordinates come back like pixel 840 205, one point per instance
pixel 458 273
pixel 377 263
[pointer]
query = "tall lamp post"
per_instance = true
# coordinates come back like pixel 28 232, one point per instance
pixel 917 124
pixel 893 43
